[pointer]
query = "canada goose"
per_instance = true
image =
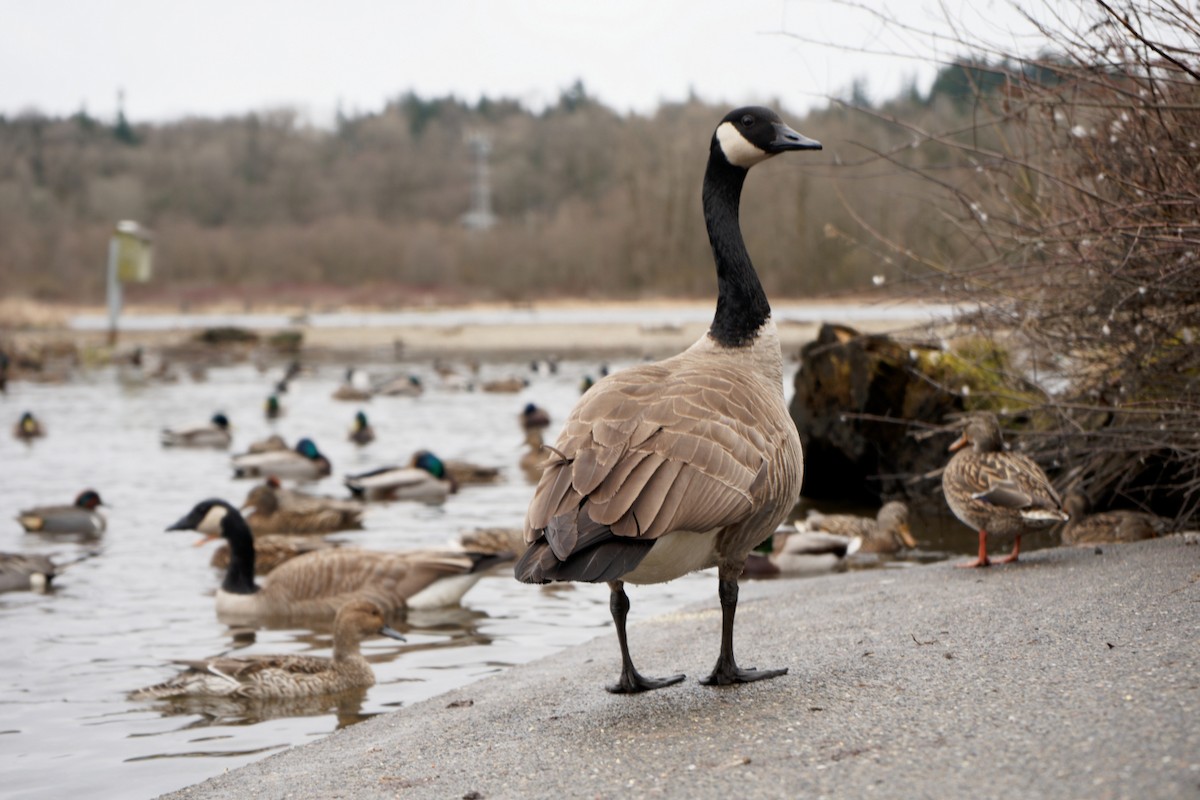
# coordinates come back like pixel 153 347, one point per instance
pixel 272 408
pixel 21 572
pixel 304 463
pixel 81 517
pixel 802 552
pixel 274 509
pixel 996 492
pixel 671 467
pixel 362 432
pixel 315 585
pixel 886 533
pixel 425 480
pixel 28 427
pixel 214 434
pixel 272 549
pixel 260 677
pixel 1107 527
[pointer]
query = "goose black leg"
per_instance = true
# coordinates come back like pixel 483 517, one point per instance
pixel 727 671
pixel 631 680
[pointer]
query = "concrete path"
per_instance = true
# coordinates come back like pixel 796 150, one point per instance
pixel 1074 674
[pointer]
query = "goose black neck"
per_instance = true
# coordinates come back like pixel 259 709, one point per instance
pixel 239 575
pixel 742 305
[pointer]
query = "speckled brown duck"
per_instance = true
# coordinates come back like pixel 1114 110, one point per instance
pixel 998 493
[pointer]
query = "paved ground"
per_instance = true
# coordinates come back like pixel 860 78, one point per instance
pixel 1072 674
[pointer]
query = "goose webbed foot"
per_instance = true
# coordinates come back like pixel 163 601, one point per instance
pixel 632 682
pixel 727 673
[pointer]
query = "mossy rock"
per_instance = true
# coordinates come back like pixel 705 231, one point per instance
pixel 857 397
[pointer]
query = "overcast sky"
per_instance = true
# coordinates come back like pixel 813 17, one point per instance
pixel 217 57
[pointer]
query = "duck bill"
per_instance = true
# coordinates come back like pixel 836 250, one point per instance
pixel 788 139
pixel 907 537
pixel 392 633
pixel 959 443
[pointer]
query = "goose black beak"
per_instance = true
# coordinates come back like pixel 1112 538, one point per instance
pixel 788 139
pixel 182 524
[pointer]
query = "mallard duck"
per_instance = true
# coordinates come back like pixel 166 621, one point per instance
pixel 425 480
pixel 274 509
pixel 272 409
pixel 271 444
pixel 1107 527
pixel 315 585
pixel 887 533
pixel 460 473
pixel 403 386
pixel 271 550
pixel 215 434
pixel 494 540
pixel 995 492
pixel 305 463
pixel 262 677
pixel 802 552
pixel 505 385
pixel 362 432
pixel 691 462
pixel 81 517
pixel 533 460
pixel 20 572
pixel 533 417
pixel 28 427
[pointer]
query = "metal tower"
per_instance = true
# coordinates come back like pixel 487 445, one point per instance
pixel 480 217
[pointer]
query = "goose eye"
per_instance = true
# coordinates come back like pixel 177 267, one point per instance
pixel 748 121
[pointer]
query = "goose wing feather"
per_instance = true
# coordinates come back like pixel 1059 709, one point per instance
pixel 653 449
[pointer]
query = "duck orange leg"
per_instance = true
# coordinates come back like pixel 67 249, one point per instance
pixel 982 561
pixel 1011 557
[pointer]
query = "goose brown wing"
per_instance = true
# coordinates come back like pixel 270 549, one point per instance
pixel 386 578
pixel 650 450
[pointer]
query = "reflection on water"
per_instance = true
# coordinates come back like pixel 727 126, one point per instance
pixel 139 597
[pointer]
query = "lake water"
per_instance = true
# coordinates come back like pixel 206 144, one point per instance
pixel 140 596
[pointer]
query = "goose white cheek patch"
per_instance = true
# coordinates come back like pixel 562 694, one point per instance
pixel 212 521
pixel 737 150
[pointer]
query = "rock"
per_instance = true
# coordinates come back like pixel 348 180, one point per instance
pixel 844 374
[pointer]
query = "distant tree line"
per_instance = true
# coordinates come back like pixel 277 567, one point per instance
pixel 590 202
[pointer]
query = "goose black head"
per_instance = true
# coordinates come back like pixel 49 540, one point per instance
pixel 205 517
pixel 752 134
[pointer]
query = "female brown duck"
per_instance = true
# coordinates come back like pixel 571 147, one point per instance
pixel 996 492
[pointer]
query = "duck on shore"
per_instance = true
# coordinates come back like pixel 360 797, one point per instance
pixel 1107 527
pixel 995 492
